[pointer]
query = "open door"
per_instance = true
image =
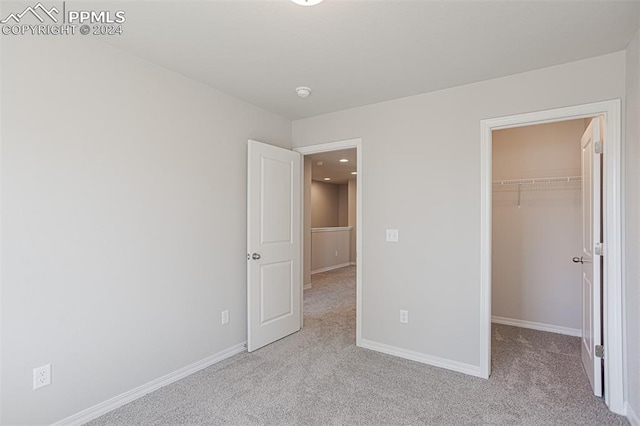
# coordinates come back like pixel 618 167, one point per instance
pixel 591 259
pixel 273 244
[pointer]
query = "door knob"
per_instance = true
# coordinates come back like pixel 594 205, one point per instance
pixel 255 256
pixel 577 260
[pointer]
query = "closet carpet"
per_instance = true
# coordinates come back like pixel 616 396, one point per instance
pixel 319 377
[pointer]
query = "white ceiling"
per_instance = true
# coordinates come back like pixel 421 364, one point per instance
pixel 357 52
pixel 331 166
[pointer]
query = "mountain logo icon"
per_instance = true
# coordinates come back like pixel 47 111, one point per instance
pixel 39 11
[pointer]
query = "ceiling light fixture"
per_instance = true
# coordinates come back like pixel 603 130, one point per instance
pixel 303 91
pixel 354 173
pixel 344 160
pixel 307 2
pixel 327 179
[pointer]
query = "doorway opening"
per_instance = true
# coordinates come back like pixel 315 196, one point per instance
pixel 611 231
pixel 330 180
pixel 541 210
pixel 332 223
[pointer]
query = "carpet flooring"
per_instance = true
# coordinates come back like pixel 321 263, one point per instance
pixel 319 377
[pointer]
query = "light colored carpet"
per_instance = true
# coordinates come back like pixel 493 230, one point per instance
pixel 319 377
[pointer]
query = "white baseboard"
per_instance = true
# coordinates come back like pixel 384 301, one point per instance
pixel 472 370
pixel 575 332
pixel 111 404
pixel 330 268
pixel 631 415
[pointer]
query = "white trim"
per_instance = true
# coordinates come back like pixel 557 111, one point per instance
pixel 111 404
pixel 631 415
pixel 485 249
pixel 332 229
pixel 568 331
pixel 613 300
pixel 330 268
pixel 335 146
pixel 472 370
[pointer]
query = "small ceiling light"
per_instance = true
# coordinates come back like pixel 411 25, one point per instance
pixel 327 178
pixel 344 160
pixel 354 173
pixel 307 2
pixel 303 91
pixel 319 163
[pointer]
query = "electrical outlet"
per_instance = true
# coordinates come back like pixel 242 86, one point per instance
pixel 42 376
pixel 225 317
pixel 404 317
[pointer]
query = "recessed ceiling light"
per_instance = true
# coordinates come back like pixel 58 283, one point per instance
pixel 354 173
pixel 307 2
pixel 327 178
pixel 319 163
pixel 344 160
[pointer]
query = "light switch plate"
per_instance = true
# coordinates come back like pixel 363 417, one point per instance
pixel 392 235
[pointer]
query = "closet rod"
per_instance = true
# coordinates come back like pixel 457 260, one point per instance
pixel 531 181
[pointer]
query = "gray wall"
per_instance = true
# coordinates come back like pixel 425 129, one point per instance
pixel 329 248
pixel 306 262
pixel 533 277
pixel 632 222
pixel 429 146
pixel 352 217
pixel 343 205
pixel 325 201
pixel 123 222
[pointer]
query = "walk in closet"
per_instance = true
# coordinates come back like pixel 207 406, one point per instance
pixel 537 226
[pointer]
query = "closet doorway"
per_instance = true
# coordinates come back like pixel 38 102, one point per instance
pixel 546 204
pixel 537 224
pixel 556 188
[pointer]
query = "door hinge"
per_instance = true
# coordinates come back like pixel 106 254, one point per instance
pixel 600 351
pixel 598 147
pixel 599 249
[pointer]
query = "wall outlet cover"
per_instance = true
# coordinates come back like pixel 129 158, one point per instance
pixel 41 376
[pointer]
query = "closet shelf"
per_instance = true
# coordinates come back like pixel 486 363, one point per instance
pixel 535 181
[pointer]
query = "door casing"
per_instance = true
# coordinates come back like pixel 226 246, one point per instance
pixel 613 303
pixel 336 146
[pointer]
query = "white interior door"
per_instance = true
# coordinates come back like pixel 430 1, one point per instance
pixel 273 244
pixel 591 260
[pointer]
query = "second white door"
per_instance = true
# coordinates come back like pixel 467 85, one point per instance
pixel 591 259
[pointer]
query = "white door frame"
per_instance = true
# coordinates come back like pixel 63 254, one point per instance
pixel 612 220
pixel 336 146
